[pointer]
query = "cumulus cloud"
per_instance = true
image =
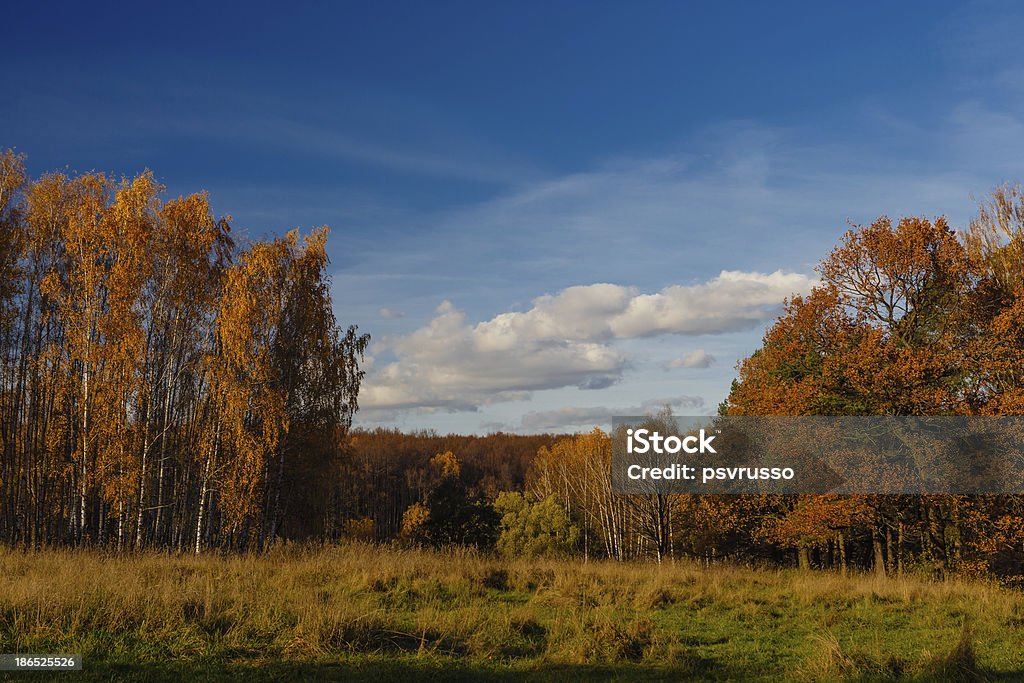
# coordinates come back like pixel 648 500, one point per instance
pixel 564 340
pixel 600 416
pixel 695 359
pixel 730 302
pixel 390 313
pixel 451 364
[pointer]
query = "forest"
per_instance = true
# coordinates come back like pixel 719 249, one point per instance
pixel 164 385
pixel 160 384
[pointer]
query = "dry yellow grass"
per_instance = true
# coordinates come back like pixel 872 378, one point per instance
pixel 395 610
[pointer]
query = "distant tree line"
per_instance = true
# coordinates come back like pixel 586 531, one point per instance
pixel 384 471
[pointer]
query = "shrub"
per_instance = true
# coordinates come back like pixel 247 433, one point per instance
pixel 534 529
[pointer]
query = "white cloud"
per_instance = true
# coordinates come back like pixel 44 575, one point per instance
pixel 600 416
pixel 390 313
pixel 563 340
pixel 731 302
pixel 450 364
pixel 695 359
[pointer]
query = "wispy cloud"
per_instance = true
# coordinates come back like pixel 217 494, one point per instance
pixel 329 142
pixel 599 416
pixel 695 359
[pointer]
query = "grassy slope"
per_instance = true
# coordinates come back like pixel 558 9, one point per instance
pixel 360 611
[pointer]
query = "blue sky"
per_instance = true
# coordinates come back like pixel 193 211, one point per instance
pixel 545 214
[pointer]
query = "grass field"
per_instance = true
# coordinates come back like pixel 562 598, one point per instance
pixel 360 611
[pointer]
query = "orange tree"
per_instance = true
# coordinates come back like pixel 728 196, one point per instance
pixel 909 318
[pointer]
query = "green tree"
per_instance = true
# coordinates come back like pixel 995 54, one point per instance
pixel 534 528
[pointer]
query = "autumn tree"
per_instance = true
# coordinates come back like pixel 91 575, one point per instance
pixel 909 319
pixel 159 384
pixel 577 472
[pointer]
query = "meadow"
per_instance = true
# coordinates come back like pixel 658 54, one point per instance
pixel 362 611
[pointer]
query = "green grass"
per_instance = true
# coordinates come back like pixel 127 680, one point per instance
pixel 362 612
